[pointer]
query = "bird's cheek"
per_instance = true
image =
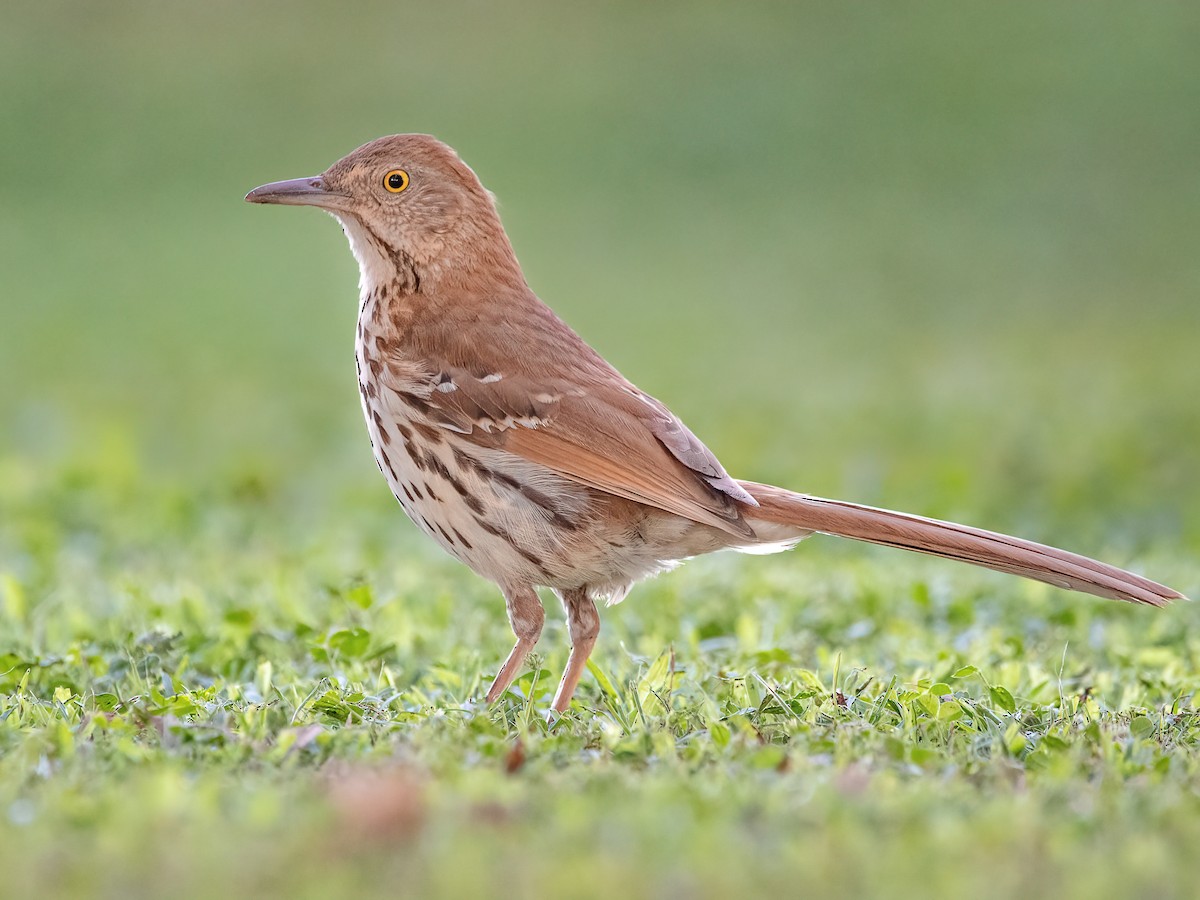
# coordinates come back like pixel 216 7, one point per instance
pixel 441 213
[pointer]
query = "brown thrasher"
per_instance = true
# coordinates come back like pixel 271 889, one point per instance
pixel 515 446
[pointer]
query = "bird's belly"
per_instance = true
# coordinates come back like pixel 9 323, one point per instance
pixel 513 521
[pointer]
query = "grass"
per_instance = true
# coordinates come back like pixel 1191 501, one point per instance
pixel 938 259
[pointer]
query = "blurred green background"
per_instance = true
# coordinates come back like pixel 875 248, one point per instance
pixel 942 256
pixel 936 256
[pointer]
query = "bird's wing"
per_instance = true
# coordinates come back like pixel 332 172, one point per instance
pixel 601 432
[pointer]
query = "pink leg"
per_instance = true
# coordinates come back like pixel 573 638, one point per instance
pixel 526 616
pixel 583 624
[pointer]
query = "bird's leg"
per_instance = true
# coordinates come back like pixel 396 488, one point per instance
pixel 583 624
pixel 526 616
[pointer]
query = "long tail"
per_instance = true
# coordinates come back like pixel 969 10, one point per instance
pixel 1001 552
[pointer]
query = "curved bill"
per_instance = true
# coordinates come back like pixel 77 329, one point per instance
pixel 298 192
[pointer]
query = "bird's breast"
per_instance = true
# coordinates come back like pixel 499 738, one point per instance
pixel 509 519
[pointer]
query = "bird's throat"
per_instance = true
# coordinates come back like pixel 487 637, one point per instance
pixel 379 264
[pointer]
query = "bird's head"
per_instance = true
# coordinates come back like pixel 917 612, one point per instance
pixel 413 211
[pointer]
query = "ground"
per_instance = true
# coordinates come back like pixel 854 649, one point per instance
pixel 934 259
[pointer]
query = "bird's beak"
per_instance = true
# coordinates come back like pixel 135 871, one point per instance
pixel 298 192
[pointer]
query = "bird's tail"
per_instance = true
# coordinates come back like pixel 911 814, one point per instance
pixel 782 514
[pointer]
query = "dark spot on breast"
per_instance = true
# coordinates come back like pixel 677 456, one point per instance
pixel 408 494
pixel 547 505
pixel 532 557
pixel 508 538
pixel 465 492
pixel 404 430
pixel 533 495
pixel 462 540
pixel 538 499
pixel 492 529
pixel 431 434
pixel 464 460
pixel 417 458
pixel 454 481
pixel 502 478
pixel 391 470
pixel 445 534
pixel 417 402
pixel 435 463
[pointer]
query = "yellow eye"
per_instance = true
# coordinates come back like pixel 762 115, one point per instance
pixel 396 180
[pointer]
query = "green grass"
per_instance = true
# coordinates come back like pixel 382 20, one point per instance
pixel 938 258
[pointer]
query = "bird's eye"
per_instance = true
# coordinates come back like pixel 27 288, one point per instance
pixel 395 181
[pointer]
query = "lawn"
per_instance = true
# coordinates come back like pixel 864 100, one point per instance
pixel 939 258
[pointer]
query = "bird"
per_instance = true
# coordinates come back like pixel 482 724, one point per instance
pixel 527 456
